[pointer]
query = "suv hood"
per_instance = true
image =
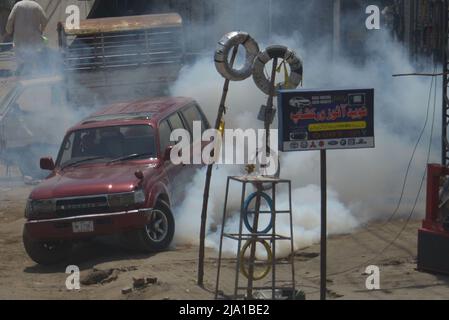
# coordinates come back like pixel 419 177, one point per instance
pixel 90 180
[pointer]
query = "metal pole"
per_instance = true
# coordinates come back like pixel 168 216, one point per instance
pixel 273 244
pixel 269 110
pixel 221 111
pixel 267 123
pixel 336 28
pixel 239 242
pixel 292 242
pixel 217 285
pixel 252 257
pixel 323 242
pixel 445 83
pixel 270 18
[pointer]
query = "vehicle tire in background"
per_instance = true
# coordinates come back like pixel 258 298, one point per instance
pixel 46 252
pixel 157 234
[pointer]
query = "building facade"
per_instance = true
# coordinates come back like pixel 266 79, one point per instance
pixel 418 24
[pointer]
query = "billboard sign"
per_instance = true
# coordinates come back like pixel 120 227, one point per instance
pixel 326 119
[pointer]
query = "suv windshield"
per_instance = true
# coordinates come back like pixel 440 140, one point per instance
pixel 107 143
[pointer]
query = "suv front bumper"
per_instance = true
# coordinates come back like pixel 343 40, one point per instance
pixel 103 224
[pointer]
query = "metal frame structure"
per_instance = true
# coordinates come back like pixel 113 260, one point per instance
pixel 272 236
pixel 122 42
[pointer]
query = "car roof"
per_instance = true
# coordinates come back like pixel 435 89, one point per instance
pixel 146 111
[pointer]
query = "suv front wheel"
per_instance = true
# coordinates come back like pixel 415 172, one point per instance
pixel 158 233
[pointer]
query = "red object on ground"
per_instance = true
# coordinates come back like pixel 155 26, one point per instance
pixel 433 238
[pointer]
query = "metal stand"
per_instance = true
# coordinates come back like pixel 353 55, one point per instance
pixel 271 237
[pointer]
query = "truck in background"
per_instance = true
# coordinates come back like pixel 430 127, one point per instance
pixel 106 60
pixel 121 58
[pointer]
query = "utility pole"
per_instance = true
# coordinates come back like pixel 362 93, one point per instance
pixel 445 115
pixel 336 27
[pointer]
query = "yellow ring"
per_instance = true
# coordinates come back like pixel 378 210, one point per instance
pixel 269 260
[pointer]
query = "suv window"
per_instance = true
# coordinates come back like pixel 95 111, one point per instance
pixel 108 143
pixel 175 122
pixel 192 114
pixel 164 135
pixel 67 145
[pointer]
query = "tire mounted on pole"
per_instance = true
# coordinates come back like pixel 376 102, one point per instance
pixel 229 41
pixel 280 52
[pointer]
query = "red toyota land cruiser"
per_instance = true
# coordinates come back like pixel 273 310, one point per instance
pixel 113 174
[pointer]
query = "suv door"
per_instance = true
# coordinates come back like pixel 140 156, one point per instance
pixel 179 175
pixel 190 115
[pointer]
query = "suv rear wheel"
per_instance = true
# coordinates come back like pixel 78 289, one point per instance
pixel 158 233
pixel 46 252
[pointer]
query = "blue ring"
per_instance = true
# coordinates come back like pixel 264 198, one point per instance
pixel 245 212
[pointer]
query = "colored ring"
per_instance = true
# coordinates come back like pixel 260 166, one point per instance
pixel 280 52
pixel 246 215
pixel 229 41
pixel 269 260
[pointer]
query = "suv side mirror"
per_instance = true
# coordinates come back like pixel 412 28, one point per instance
pixel 47 164
pixel 167 153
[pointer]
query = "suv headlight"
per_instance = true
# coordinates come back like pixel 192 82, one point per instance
pixel 123 200
pixel 39 207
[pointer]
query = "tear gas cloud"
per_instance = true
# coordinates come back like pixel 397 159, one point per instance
pixel 364 184
pixel 35 124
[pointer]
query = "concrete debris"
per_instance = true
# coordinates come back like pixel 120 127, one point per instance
pixel 96 276
pixel 284 294
pixel 151 280
pixel 126 269
pixel 139 283
pixel 127 290
pixel 267 295
pixel 112 277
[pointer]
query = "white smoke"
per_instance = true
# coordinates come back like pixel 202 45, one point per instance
pixel 34 123
pixel 243 102
pixel 365 184
pixel 305 204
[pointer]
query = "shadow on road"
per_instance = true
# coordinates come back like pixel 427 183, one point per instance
pixel 88 254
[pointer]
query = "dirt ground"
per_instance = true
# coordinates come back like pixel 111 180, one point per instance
pixel 176 269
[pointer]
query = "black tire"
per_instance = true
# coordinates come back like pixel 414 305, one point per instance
pixel 46 252
pixel 158 234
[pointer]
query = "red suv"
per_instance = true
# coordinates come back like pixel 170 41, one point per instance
pixel 113 174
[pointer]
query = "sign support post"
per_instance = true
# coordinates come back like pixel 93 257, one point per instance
pixel 323 242
pixel 324 120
